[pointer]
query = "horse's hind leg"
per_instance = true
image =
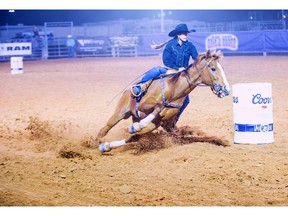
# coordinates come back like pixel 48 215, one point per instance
pixel 114 119
pixel 121 112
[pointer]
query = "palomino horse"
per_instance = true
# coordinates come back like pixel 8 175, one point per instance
pixel 164 97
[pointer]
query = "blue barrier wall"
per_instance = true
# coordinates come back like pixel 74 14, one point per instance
pixel 231 42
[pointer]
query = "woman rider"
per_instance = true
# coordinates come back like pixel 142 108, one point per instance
pixel 176 55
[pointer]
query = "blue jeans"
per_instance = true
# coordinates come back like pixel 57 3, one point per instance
pixel 70 52
pixel 152 74
pixel 155 72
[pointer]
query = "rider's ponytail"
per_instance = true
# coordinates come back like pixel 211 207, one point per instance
pixel 158 46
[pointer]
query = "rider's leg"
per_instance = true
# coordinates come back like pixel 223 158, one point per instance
pixel 151 74
pixel 137 89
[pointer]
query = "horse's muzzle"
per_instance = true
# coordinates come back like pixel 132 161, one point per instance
pixel 220 91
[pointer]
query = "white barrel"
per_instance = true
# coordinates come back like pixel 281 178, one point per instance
pixel 16 65
pixel 253 113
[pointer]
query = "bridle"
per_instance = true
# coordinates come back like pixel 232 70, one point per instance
pixel 215 88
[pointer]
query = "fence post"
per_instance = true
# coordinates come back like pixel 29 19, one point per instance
pixel 44 47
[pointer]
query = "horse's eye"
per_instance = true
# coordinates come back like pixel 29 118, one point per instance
pixel 213 69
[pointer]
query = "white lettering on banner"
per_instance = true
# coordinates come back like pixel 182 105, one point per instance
pixel 221 41
pixel 9 49
pixel 90 41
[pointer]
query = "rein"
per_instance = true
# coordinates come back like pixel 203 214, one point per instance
pixel 191 84
pixel 200 73
pixel 188 78
pixel 165 103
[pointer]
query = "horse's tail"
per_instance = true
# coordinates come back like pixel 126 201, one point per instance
pixel 158 46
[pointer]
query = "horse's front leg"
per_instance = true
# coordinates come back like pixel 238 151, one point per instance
pixel 108 146
pixel 138 126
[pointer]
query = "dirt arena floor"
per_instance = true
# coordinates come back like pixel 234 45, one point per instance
pixel 49 113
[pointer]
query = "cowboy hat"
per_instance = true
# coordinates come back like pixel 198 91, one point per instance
pixel 179 29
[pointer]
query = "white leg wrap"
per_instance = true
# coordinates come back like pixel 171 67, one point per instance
pixel 144 122
pixel 116 144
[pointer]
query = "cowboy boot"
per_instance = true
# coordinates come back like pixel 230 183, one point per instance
pixel 138 89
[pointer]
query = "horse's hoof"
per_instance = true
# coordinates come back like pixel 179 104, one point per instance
pixel 134 128
pixel 131 129
pixel 104 147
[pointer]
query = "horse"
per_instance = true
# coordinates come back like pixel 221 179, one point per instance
pixel 164 97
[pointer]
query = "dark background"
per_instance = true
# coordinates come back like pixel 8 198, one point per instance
pixel 78 17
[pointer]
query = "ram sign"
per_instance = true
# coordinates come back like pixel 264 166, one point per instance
pixel 14 49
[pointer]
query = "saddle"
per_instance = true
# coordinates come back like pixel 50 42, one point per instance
pixel 139 90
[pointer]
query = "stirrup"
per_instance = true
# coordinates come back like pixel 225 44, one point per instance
pixel 136 90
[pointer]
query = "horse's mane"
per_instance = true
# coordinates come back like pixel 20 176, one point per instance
pixel 176 76
pixel 191 65
pixel 200 57
pixel 203 55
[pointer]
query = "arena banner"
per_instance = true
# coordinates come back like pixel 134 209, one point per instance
pixel 92 44
pixel 227 42
pixel 221 41
pixel 124 41
pixel 276 41
pixel 15 49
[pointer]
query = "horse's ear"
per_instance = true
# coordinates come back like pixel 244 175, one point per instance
pixel 208 54
pixel 219 54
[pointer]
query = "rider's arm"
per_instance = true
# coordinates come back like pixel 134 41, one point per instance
pixel 193 51
pixel 169 58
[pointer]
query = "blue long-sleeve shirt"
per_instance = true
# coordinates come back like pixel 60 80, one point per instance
pixel 176 56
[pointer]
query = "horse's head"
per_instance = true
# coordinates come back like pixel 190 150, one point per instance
pixel 212 73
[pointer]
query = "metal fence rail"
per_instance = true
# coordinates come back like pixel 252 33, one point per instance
pixel 56 48
pixel 122 38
